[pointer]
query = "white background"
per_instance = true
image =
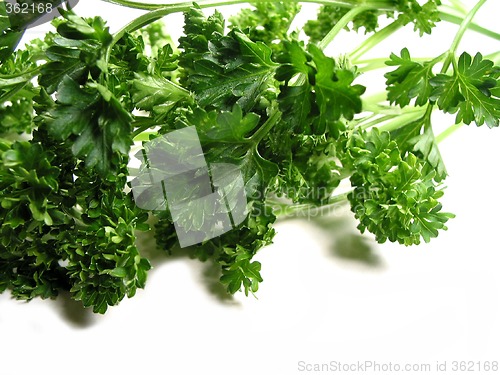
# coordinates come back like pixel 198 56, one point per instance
pixel 317 304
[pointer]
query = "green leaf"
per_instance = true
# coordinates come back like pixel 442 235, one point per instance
pixel 94 121
pixel 77 53
pixel 226 138
pixel 118 272
pixel 411 80
pixel 424 17
pixel 4 18
pixel 393 197
pixel 296 104
pixel 241 274
pixel 418 138
pixel 468 92
pixel 157 94
pixel 233 70
pixel 267 22
pixel 327 97
pixel 230 126
pixel 9 39
pixel 426 145
pixel 335 94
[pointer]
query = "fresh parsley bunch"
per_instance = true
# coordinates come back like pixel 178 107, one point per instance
pixel 262 97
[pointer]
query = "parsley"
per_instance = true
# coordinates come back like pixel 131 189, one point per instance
pixel 293 121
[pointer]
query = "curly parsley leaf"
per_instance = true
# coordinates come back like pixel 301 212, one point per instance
pixel 65 229
pixel 76 52
pixel 17 92
pixel 224 70
pixel 267 22
pixel 393 197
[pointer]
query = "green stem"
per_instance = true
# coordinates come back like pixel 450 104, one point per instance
pixel 447 132
pixel 460 33
pixel 375 98
pixel 367 124
pixel 341 24
pixel 402 120
pixel 266 127
pixel 14 79
pixel 457 4
pixel 380 63
pixel 287 210
pixel 472 26
pixel 375 39
pixel 142 124
pixel 141 21
pixel 382 5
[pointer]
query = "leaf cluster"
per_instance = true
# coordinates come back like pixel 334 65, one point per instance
pixel 471 90
pixel 424 17
pixel 290 120
pixel 392 197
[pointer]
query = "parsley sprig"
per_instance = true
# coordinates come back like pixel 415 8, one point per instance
pixel 76 105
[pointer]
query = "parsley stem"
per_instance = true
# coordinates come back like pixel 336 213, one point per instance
pixel 383 5
pixel 141 125
pixel 341 24
pixel 402 120
pixel 390 121
pixel 372 121
pixel 380 63
pixel 472 26
pixel 266 127
pixel 447 132
pixel 375 39
pixel 13 79
pixel 457 4
pixel 460 33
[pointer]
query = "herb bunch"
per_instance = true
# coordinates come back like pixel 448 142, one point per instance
pixel 262 97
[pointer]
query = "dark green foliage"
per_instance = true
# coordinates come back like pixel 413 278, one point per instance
pixel 392 196
pixel 66 232
pixel 290 120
